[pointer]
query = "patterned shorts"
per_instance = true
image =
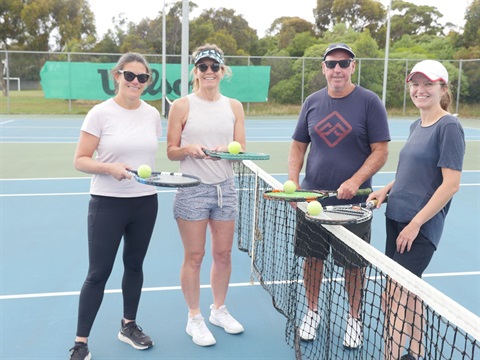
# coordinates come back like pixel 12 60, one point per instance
pixel 207 201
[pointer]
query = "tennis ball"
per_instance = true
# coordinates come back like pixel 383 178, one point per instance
pixel 289 187
pixel 314 208
pixel 234 147
pixel 144 171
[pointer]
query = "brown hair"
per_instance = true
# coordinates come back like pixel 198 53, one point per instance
pixel 446 99
pixel 129 58
pixel 226 69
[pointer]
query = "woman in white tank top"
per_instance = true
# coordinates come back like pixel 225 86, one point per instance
pixel 202 120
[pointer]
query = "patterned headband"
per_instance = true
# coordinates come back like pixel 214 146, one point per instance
pixel 212 54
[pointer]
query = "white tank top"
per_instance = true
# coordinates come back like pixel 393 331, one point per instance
pixel 209 123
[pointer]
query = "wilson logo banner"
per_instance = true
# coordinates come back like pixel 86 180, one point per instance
pixel 92 81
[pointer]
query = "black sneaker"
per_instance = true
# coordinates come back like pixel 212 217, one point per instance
pixel 80 352
pixel 132 334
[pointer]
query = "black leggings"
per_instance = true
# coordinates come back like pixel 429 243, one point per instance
pixel 110 218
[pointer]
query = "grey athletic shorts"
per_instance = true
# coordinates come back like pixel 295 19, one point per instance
pixel 206 201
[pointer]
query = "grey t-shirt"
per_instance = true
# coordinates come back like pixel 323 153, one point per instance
pixel 419 172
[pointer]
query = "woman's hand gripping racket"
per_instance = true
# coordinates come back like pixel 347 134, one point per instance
pixel 167 179
pixel 344 214
pixel 306 195
pixel 240 156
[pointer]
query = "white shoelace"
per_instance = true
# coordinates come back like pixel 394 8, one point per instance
pixel 219 195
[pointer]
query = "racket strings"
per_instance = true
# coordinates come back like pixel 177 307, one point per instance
pixel 348 213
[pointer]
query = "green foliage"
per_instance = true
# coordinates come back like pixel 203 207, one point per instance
pixel 471 34
pixel 300 43
pixel 411 19
pixel 287 91
pixel 358 14
pixel 39 19
pixel 280 68
pixel 296 44
pixel 227 24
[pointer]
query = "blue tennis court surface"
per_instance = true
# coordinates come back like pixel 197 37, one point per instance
pixel 44 262
pixel 66 129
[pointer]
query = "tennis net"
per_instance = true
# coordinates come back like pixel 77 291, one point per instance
pixel 266 230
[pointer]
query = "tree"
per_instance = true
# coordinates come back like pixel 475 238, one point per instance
pixel 45 24
pixel 411 19
pixel 223 21
pixel 293 33
pixel 357 14
pixel 12 27
pixel 471 33
pixel 298 25
pixel 51 24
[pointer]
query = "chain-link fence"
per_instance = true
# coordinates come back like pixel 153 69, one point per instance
pixel 292 79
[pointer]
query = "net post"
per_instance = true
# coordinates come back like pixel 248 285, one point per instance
pixel 297 343
pixel 254 222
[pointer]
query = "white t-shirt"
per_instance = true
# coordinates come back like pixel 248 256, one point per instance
pixel 127 136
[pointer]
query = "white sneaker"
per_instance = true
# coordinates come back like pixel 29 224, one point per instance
pixel 309 326
pixel 199 332
pixel 222 318
pixel 354 334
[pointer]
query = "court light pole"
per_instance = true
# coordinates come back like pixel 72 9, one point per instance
pixel 185 40
pixel 164 59
pixel 387 48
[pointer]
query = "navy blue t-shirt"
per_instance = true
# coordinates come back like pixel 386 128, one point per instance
pixel 339 131
pixel 419 172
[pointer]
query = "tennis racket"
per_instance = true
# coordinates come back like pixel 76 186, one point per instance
pixel 240 156
pixel 306 195
pixel 167 179
pixel 344 214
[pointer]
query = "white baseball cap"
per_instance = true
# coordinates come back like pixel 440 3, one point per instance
pixel 432 69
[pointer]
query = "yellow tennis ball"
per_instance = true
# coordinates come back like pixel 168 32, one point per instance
pixel 314 208
pixel 289 187
pixel 144 171
pixel 234 147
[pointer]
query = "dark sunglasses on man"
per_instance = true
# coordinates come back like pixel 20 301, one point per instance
pixel 331 64
pixel 129 76
pixel 204 67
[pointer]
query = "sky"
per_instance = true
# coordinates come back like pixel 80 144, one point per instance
pixel 259 14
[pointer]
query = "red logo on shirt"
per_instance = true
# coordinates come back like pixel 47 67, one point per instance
pixel 333 129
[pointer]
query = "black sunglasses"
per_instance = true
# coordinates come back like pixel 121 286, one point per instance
pixel 204 67
pixel 331 64
pixel 129 76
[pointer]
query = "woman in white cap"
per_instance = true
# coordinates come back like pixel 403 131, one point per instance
pixel 205 119
pixel 428 175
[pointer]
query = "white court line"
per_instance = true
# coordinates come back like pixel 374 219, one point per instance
pixel 6 122
pixel 69 194
pixel 178 288
pixel 158 192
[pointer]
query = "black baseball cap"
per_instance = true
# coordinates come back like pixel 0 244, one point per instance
pixel 338 46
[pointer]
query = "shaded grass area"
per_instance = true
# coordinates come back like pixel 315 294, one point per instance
pixel 34 102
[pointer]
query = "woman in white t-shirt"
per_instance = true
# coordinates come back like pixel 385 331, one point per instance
pixel 118 134
pixel 205 119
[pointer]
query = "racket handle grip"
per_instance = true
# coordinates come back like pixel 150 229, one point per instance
pixel 371 204
pixel 362 192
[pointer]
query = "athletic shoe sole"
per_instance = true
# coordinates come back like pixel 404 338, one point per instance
pixel 128 341
pixel 217 323
pixel 199 343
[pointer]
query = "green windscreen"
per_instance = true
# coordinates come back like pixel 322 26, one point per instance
pixel 92 81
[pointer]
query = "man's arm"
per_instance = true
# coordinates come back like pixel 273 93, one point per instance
pixel 296 158
pixel 373 163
